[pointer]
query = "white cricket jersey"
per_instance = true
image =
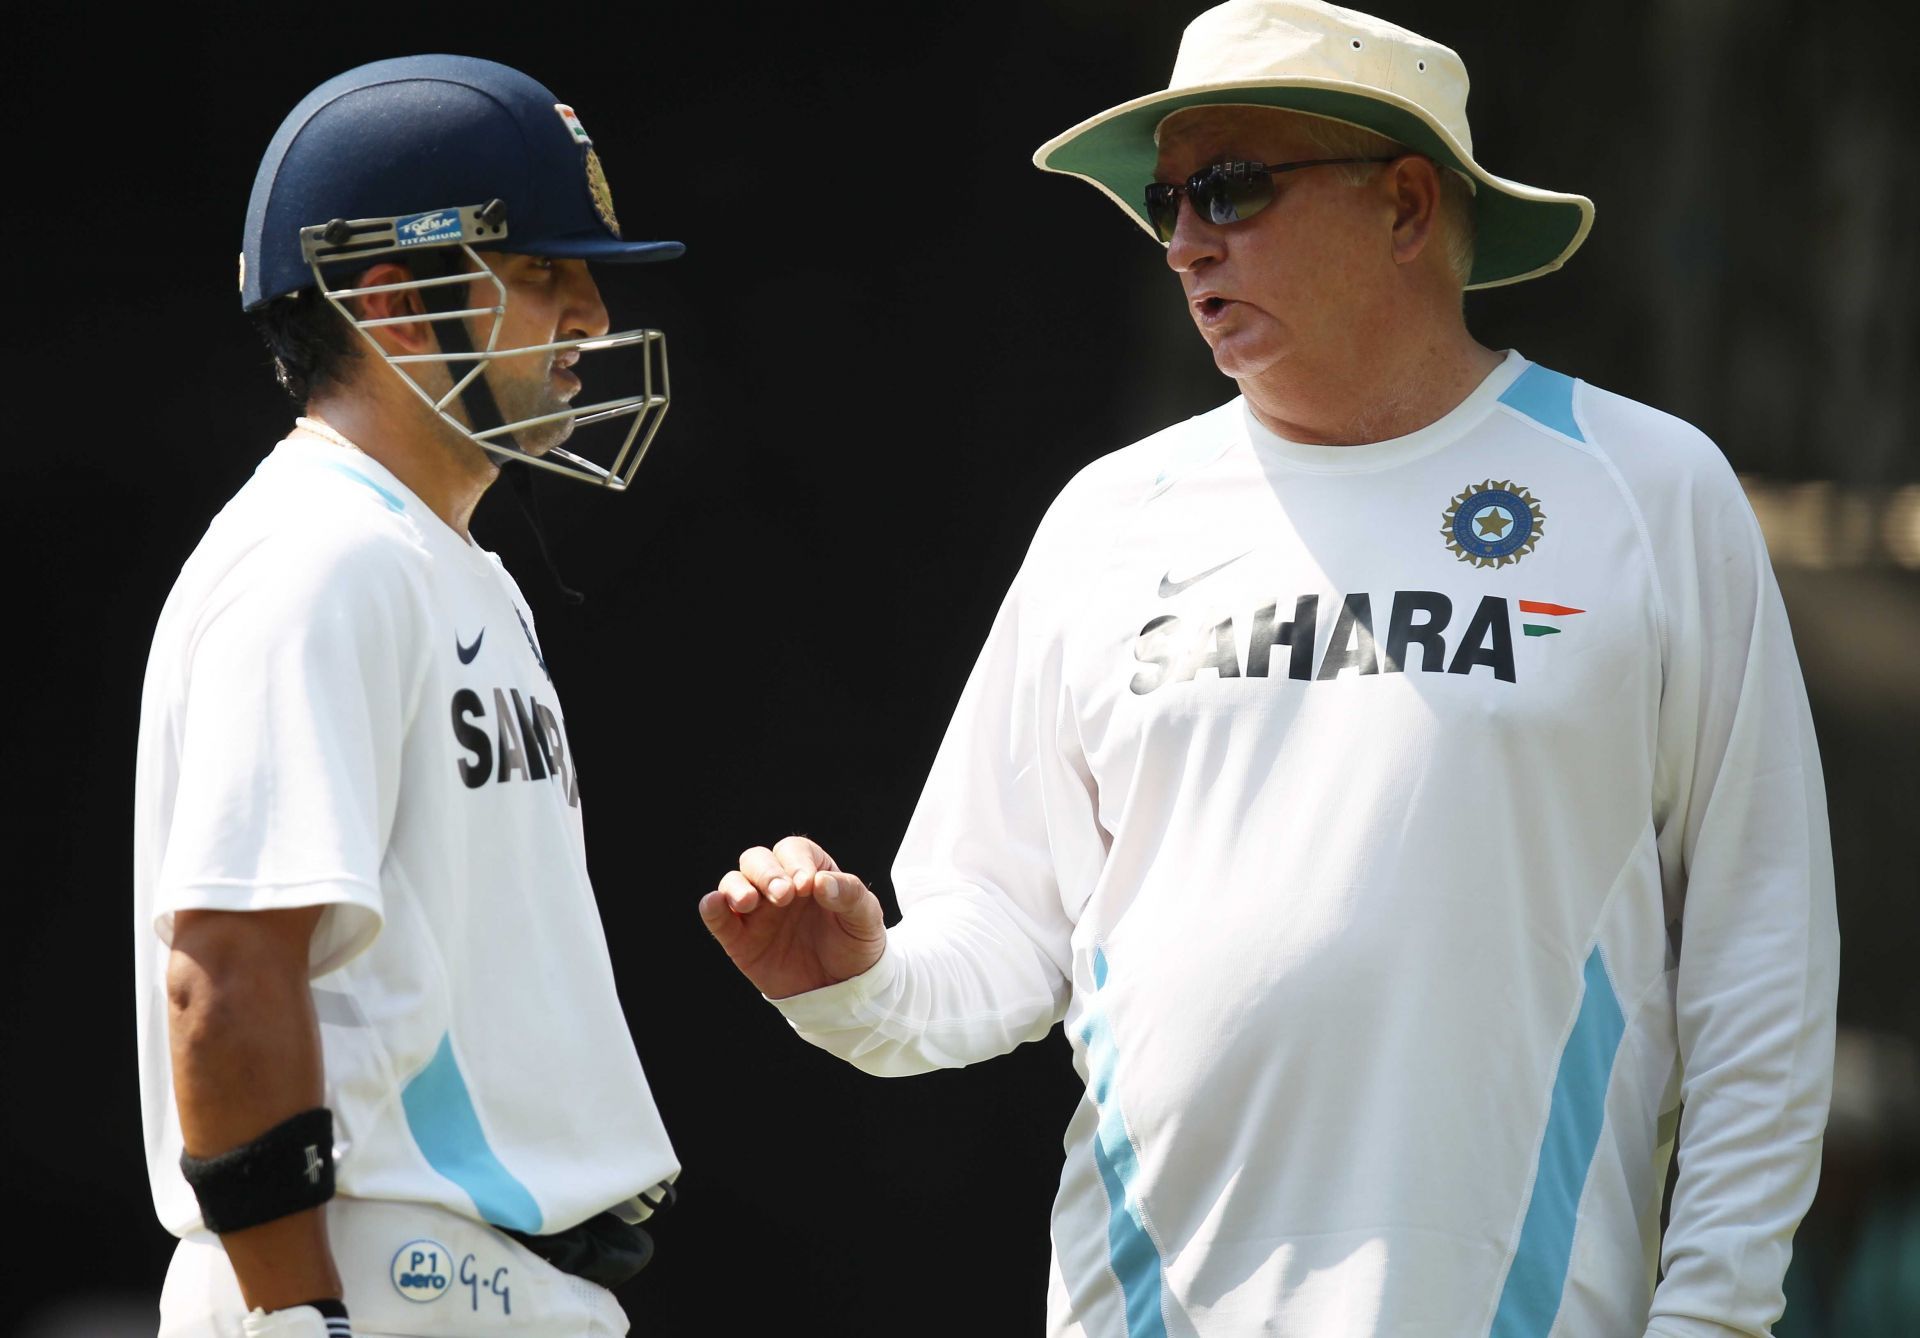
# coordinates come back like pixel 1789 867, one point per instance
pixel 1403 833
pixel 346 706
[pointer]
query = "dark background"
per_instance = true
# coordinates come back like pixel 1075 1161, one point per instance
pixel 892 342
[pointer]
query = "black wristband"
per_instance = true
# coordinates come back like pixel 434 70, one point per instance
pixel 329 1309
pixel 286 1170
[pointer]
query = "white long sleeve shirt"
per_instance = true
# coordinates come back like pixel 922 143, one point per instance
pixel 1404 834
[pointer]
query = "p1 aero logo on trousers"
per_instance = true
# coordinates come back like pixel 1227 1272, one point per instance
pixel 422 1270
pixel 1419 636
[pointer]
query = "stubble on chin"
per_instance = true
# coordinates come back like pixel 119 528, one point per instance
pixel 540 439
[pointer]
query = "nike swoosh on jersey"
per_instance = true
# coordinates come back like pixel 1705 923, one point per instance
pixel 1170 587
pixel 466 653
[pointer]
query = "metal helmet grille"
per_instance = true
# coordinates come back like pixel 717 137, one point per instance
pixel 366 239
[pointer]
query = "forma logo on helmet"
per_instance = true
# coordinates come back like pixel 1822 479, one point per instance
pixel 425 162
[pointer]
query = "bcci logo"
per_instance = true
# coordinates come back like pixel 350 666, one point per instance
pixel 422 1270
pixel 1492 523
pixel 602 193
pixel 442 225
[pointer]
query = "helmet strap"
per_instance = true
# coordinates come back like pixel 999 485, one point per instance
pixel 520 481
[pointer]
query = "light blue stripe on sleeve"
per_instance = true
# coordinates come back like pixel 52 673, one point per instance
pixel 447 1129
pixel 1547 398
pixel 393 503
pixel 1531 1298
pixel 1135 1258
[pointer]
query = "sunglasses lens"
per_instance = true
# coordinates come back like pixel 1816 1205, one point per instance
pixel 1234 191
pixel 1163 209
pixel 1223 193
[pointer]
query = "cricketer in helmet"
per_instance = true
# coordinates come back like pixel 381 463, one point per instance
pixel 382 1056
pixel 389 183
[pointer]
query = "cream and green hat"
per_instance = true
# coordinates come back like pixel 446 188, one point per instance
pixel 1316 58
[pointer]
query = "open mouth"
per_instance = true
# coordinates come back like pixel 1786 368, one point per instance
pixel 1211 307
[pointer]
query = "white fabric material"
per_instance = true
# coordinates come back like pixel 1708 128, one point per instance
pixel 474 1281
pixel 310 735
pixel 301 1321
pixel 1351 924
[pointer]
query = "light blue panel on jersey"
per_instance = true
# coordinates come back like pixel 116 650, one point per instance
pixel 447 1128
pixel 393 503
pixel 1538 1276
pixel 1547 398
pixel 1135 1258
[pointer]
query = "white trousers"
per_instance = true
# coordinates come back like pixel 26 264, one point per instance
pixel 410 1270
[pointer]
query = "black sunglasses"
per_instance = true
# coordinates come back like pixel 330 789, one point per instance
pixel 1226 192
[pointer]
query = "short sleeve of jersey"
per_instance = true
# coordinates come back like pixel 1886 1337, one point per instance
pixel 290 705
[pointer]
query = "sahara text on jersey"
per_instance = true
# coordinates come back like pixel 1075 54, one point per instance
pixel 1174 651
pixel 529 742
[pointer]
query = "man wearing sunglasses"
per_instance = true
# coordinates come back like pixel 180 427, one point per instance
pixel 1398 780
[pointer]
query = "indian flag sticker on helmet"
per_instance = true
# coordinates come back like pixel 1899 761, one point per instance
pixel 601 192
pixel 574 128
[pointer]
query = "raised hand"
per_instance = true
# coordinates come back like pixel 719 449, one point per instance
pixel 792 920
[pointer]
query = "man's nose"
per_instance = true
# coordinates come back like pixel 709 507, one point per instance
pixel 586 312
pixel 1196 242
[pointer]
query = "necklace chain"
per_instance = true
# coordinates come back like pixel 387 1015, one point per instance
pixel 320 429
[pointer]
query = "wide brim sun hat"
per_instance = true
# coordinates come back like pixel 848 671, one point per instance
pixel 1326 61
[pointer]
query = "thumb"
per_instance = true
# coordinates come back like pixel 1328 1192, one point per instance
pixel 850 899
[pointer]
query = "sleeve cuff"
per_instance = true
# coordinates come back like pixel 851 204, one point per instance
pixel 347 928
pixel 1675 1326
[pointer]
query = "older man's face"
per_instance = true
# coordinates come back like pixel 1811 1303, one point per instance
pixel 1299 280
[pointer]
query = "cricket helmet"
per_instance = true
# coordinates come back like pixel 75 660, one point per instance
pixel 424 161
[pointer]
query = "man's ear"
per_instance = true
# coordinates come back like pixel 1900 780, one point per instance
pixel 406 337
pixel 1415 182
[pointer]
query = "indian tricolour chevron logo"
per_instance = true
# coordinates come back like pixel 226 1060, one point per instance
pixel 1534 611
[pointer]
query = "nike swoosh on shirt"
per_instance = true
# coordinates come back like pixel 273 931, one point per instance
pixel 1170 587
pixel 466 653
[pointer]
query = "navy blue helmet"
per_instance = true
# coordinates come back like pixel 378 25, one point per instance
pixel 419 134
pixel 423 160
